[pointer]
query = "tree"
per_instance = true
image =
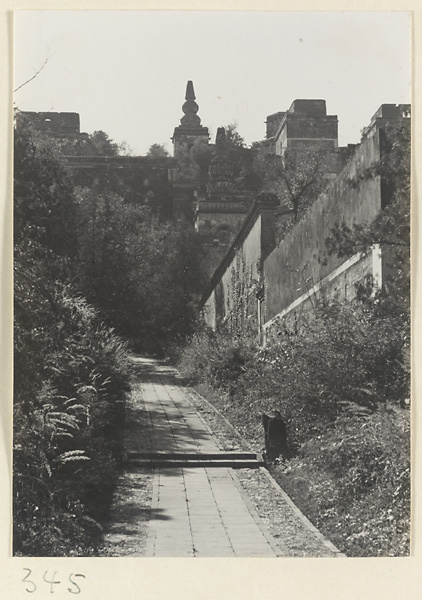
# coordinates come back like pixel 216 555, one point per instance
pixel 102 145
pixel 157 151
pixel 44 204
pixel 97 143
pixel 233 137
pixel 297 178
pixel 165 267
pixel 144 275
pixel 108 230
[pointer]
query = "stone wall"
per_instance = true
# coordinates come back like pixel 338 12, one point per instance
pixel 273 123
pixel 340 284
pixel 231 294
pixel 306 122
pixel 300 261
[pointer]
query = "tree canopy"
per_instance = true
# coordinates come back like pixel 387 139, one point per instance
pixel 297 178
pixel 157 151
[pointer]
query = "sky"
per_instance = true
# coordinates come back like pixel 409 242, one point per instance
pixel 125 72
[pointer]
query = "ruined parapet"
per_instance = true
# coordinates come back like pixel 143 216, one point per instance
pixel 387 113
pixel 137 179
pixel 57 124
pixel 304 124
pixel 273 123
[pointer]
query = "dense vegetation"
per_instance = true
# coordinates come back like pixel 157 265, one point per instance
pixel 70 369
pixel 144 274
pixel 70 378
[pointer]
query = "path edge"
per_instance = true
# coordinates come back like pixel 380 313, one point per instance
pixel 296 511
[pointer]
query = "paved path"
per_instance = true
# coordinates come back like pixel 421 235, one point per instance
pixel 195 511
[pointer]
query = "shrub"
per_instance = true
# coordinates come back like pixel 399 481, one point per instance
pixel 218 359
pixel 70 379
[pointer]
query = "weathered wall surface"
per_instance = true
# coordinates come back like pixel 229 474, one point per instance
pixel 301 261
pixel 305 123
pixel 231 294
pixel 218 230
pixel 340 284
pixel 239 276
pixel 209 311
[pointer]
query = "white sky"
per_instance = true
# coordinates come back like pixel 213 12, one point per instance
pixel 125 72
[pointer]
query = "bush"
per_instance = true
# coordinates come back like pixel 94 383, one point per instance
pixel 70 380
pixel 218 359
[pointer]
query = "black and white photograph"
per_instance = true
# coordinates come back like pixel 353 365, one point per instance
pixel 211 258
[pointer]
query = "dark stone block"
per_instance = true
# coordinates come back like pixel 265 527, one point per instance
pixel 275 431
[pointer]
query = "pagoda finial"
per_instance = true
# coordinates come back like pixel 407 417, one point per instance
pixel 190 108
pixel 190 92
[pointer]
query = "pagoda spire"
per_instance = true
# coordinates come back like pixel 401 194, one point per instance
pixel 190 108
pixel 190 92
pixel 190 128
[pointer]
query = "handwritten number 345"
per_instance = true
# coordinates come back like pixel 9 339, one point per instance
pixel 31 586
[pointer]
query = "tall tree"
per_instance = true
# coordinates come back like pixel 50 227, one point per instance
pixel 297 178
pixel 157 151
pixel 44 207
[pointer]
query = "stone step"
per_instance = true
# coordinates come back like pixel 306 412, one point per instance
pixel 239 460
pixel 193 455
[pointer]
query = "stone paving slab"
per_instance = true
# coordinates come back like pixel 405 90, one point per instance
pixel 203 525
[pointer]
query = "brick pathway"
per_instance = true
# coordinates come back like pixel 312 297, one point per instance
pixel 195 511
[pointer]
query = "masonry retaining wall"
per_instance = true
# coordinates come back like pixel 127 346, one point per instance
pixel 301 260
